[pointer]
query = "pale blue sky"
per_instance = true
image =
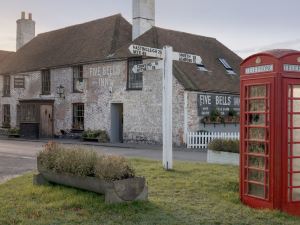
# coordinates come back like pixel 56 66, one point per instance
pixel 242 25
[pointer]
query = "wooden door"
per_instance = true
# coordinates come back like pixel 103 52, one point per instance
pixel 46 121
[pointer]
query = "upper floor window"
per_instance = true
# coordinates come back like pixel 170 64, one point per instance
pixel 134 80
pixel 46 82
pixel 201 67
pixel 227 66
pixel 78 79
pixel 6 116
pixel 6 86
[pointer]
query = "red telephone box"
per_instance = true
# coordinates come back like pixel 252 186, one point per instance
pixel 270 131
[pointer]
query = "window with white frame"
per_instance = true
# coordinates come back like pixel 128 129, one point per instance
pixel 77 78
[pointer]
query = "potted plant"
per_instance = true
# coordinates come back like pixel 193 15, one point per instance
pixel 223 151
pixel 14 132
pixel 84 169
pixel 95 135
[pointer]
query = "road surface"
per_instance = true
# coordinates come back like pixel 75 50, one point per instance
pixel 19 157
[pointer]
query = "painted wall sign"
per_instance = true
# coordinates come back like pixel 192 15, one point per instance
pixel 259 69
pixel 291 68
pixel 19 82
pixel 105 71
pixel 223 103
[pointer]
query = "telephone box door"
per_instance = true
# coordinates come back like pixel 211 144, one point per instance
pixel 257 148
pixel 291 146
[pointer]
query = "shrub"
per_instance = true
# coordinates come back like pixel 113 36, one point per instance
pixel 81 162
pixel 101 135
pixel 14 131
pixel 111 167
pixel 224 145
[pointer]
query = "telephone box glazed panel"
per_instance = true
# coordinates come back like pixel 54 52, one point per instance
pixel 270 131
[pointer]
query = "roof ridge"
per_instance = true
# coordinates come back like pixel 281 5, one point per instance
pixel 183 32
pixel 84 23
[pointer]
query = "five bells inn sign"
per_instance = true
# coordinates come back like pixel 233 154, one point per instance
pixel 167 55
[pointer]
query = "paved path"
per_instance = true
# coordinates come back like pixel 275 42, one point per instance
pixel 18 157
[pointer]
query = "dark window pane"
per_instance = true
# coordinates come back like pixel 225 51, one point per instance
pixel 78 116
pixel 6 86
pixel 46 83
pixel 6 115
pixel 135 80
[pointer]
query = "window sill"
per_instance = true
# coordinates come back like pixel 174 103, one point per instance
pixel 134 89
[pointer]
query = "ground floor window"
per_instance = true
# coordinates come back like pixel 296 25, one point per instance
pixel 78 116
pixel 6 116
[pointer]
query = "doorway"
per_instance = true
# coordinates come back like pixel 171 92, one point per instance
pixel 116 123
pixel 46 120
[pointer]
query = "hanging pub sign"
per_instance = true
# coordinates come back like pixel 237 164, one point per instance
pixel 223 103
pixel 19 82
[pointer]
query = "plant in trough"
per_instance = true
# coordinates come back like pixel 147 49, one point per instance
pixel 224 145
pixel 81 162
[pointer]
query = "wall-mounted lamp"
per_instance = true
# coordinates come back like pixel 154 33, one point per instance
pixel 60 90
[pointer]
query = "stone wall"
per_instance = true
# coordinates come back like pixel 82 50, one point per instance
pixel 106 84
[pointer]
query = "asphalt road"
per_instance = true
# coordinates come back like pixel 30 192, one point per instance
pixel 19 157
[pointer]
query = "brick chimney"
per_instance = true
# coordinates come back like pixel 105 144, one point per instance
pixel 143 12
pixel 25 30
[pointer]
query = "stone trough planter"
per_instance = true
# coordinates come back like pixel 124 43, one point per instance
pixel 119 191
pixel 219 157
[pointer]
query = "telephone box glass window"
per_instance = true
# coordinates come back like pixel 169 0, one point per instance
pixel 77 78
pixel 293 143
pixel 78 116
pixel 227 66
pixel 6 86
pixel 6 115
pixel 257 162
pixel 134 80
pixel 46 82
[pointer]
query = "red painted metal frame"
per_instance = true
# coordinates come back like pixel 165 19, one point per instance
pixel 288 205
pixel 278 81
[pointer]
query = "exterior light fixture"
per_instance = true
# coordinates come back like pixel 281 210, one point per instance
pixel 60 90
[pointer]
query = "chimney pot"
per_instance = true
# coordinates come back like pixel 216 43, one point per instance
pixel 30 16
pixel 23 15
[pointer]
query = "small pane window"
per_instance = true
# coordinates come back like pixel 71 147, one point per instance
pixel 78 116
pixel 6 86
pixel 227 66
pixel 134 80
pixel 6 116
pixel 46 82
pixel 77 78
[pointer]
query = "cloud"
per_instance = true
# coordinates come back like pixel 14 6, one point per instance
pixel 292 44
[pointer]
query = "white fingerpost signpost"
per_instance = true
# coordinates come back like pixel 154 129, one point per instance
pixel 168 56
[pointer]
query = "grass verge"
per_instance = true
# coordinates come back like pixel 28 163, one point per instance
pixel 193 193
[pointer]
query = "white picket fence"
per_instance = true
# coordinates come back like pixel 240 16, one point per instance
pixel 201 140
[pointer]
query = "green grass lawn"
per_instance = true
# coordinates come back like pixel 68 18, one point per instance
pixel 194 193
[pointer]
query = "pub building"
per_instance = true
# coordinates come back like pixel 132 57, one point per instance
pixel 80 78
